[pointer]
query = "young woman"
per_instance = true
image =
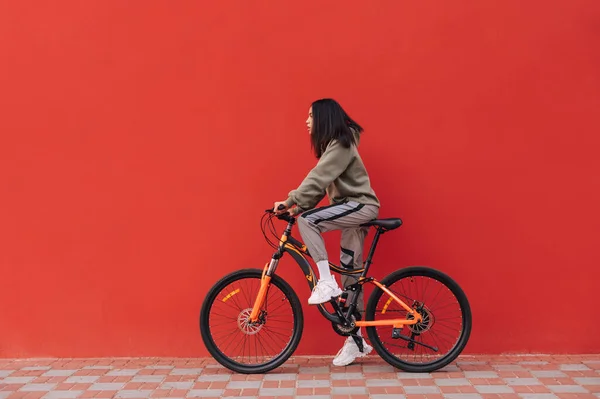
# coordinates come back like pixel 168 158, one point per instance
pixel 341 175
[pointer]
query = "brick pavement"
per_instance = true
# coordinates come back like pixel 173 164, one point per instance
pixel 470 377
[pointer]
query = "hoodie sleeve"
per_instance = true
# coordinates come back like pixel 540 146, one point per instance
pixel 333 162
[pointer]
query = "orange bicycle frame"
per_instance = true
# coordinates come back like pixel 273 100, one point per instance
pixel 297 249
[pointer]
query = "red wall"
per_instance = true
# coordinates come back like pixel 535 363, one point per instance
pixel 141 142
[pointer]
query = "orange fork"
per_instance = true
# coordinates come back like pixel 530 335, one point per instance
pixel 262 293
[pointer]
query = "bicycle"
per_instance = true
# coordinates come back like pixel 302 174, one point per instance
pixel 267 315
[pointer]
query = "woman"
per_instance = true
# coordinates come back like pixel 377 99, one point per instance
pixel 341 175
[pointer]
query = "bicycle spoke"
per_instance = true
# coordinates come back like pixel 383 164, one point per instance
pixel 251 343
pixel 442 333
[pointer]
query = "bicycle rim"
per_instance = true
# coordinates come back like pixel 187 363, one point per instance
pixel 243 346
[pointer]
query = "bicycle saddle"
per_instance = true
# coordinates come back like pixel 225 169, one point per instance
pixel 388 224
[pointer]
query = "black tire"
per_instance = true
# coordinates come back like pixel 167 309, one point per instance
pixel 465 310
pixel 207 335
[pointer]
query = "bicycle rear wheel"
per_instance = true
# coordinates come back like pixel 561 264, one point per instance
pixel 241 346
pixel 446 323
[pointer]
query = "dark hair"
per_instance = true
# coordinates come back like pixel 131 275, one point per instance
pixel 331 122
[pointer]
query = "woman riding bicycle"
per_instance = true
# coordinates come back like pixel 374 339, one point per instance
pixel 341 175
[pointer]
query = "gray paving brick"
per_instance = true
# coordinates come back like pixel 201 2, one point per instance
pixel 243 384
pixel 451 382
pixel 106 386
pixel 313 383
pixel 538 396
pixel 214 377
pixel 462 396
pixel 242 397
pixel 314 370
pixel 347 376
pixel 481 374
pixel 280 377
pixel 58 373
pixel 522 381
pixel 37 387
pixel 306 397
pixel 177 385
pixel 205 393
pixel 5 373
pixel 36 368
pixel 144 393
pixel 587 380
pixel 120 372
pixel 184 371
pixel 348 391
pixel 548 373
pixel 507 367
pixel 378 369
pixel 387 396
pixel 573 367
pixel 18 380
pixel 82 379
pixel 5 394
pixel 567 388
pixel 276 392
pixel 422 389
pixel 414 375
pixel 383 383
pixel 494 389
pixel 62 394
pixel 148 378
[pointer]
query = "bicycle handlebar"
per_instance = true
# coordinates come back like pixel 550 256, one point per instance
pixel 283 216
pixel 280 207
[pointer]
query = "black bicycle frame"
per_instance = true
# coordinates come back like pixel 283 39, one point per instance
pixel 297 252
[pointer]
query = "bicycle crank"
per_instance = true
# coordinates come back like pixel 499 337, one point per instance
pixel 345 331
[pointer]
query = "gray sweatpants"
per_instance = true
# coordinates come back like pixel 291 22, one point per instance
pixel 347 218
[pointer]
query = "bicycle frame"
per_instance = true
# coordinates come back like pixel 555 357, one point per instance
pixel 299 252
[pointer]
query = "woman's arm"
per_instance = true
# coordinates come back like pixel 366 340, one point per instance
pixel 333 162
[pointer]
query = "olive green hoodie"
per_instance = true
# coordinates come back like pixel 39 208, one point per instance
pixel 339 173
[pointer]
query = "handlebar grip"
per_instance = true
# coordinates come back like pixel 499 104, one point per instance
pixel 280 207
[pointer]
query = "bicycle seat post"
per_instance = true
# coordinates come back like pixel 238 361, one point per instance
pixel 379 232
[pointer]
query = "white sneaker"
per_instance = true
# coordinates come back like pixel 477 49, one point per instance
pixel 325 289
pixel 350 352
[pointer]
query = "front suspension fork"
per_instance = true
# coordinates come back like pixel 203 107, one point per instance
pixel 265 281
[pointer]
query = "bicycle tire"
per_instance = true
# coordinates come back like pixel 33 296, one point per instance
pixel 463 302
pixel 207 336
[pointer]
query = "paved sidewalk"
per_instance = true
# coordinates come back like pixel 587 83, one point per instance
pixel 470 377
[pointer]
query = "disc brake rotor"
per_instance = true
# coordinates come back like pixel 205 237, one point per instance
pixel 243 322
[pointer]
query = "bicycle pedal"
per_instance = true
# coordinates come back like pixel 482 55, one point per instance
pixel 396 332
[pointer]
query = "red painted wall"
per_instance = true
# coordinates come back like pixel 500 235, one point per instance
pixel 140 143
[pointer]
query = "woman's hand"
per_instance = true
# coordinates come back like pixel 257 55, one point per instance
pixel 282 210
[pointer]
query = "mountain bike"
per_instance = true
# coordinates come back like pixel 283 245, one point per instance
pixel 417 318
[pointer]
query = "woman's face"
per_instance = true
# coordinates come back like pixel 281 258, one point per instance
pixel 309 121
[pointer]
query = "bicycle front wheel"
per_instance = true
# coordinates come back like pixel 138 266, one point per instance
pixel 242 346
pixel 438 338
